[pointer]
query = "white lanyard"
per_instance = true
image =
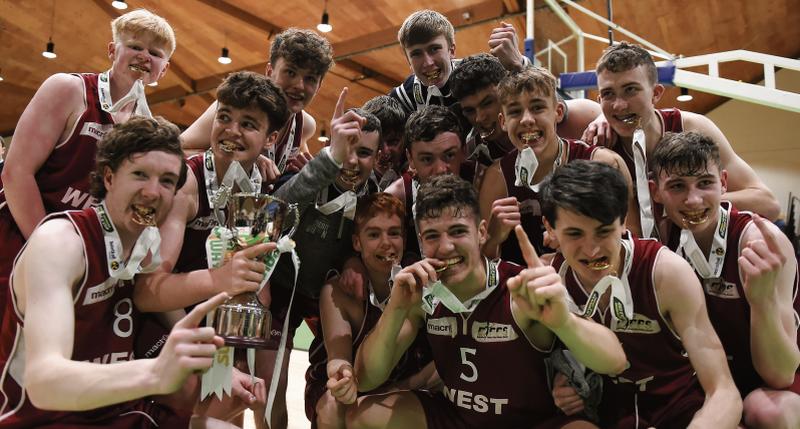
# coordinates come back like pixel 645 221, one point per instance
pixel 373 298
pixel 149 241
pixel 439 293
pixel 136 94
pixel 710 268
pixel 621 297
pixel 642 187
pixel 218 196
pixel 526 164
pixel 346 201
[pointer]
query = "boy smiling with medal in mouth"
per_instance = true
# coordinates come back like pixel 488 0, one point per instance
pixel 648 296
pixel 748 272
pixel 47 168
pixel 509 194
pixel 473 310
pixel 71 320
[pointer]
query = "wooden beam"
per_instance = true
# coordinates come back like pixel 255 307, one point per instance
pixel 266 26
pixel 184 79
pixel 243 15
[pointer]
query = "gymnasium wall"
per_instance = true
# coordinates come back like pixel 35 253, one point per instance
pixel 766 138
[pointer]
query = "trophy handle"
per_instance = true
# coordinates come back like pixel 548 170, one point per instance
pixel 296 216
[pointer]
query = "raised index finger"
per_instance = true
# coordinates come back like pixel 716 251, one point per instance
pixel 339 110
pixel 528 252
pixel 192 320
pixel 766 233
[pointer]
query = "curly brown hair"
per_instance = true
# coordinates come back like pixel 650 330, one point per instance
pixel 138 135
pixel 303 48
pixel 245 89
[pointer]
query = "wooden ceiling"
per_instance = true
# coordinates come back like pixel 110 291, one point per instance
pixel 369 60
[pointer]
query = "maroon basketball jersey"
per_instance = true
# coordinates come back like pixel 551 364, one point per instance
pixel 727 305
pixel 492 374
pixel 671 121
pixel 104 325
pixel 529 204
pixel 412 240
pixel 659 372
pixel 289 140
pixel 193 252
pixel 63 179
pixel 413 360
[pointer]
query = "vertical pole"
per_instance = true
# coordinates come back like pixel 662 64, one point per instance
pixel 529 48
pixel 610 18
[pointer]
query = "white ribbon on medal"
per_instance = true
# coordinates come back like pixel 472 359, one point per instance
pixel 710 268
pixel 526 165
pixel 149 241
pixel 346 201
pixel 642 187
pixel 136 94
pixel 621 302
pixel 439 293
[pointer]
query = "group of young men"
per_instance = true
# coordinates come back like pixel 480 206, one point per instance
pixel 513 274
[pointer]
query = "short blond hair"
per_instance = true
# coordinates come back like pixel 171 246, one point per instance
pixel 423 26
pixel 142 21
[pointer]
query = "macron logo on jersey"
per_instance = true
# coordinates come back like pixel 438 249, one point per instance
pixel 639 324
pixel 93 129
pixel 101 292
pixel 445 326
pixel 488 332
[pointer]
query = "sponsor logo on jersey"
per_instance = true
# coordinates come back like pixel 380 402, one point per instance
pixel 93 129
pixel 101 292
pixel 489 332
pixel 203 223
pixel 639 324
pixel 445 326
pixel 475 402
pixel 721 289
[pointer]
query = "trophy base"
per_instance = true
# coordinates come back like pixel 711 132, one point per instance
pixel 243 322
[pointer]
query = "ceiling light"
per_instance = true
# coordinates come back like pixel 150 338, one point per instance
pixel 685 96
pixel 50 50
pixel 153 83
pixel 224 58
pixel 1 76
pixel 119 4
pixel 325 26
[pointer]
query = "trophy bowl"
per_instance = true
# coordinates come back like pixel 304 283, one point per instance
pixel 252 218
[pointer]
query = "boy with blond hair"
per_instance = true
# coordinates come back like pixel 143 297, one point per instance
pixel 55 142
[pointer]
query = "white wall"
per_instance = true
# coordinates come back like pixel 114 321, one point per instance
pixel 766 138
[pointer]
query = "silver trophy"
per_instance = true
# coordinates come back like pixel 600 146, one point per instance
pixel 252 218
